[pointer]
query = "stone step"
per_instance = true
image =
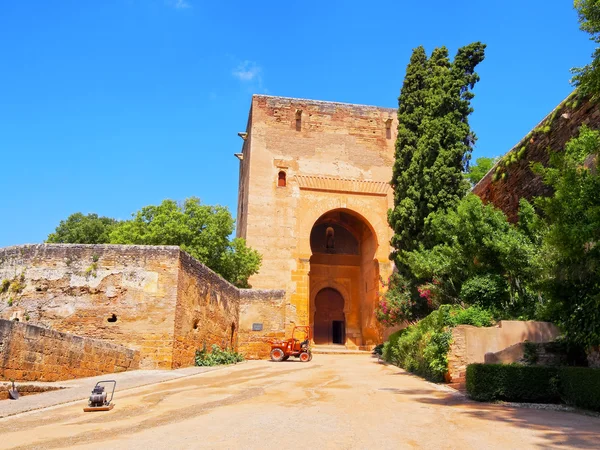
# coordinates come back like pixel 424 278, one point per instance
pixel 336 350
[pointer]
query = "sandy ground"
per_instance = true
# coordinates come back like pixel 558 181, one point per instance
pixel 331 402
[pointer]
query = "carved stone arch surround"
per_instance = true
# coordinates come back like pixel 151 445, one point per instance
pixel 319 285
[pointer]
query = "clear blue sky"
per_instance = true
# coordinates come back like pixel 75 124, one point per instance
pixel 107 106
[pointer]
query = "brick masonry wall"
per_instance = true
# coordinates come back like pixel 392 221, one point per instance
pixel 207 311
pixel 78 288
pixel 32 353
pixel 518 181
pixel 264 307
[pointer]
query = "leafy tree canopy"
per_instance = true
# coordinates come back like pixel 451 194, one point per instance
pixel 477 171
pixel 80 229
pixel 201 230
pixel 587 78
pixel 480 259
pixel 572 253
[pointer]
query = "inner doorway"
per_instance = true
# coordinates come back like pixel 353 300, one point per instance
pixel 329 321
pixel 338 332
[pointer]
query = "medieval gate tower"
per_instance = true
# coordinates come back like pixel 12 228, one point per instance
pixel 313 198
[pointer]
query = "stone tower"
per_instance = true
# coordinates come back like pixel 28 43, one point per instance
pixel 313 199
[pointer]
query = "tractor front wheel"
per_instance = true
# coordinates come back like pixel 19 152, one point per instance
pixel 277 355
pixel 304 357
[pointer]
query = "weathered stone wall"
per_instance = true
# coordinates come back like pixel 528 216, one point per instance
pixel 470 344
pixel 34 353
pixel 266 309
pixel 512 179
pixel 207 311
pixel 336 157
pixel 546 354
pixel 158 300
pixel 122 294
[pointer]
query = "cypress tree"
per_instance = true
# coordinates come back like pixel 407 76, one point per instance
pixel 411 110
pixel 433 149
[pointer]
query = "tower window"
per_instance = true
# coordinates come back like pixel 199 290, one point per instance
pixel 281 182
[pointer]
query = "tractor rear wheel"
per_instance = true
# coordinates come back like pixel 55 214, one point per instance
pixel 304 357
pixel 277 355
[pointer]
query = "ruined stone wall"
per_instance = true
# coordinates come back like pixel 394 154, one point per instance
pixel 264 309
pixel 158 300
pixel 512 179
pixel 34 353
pixel 335 157
pixel 207 311
pixel 470 344
pixel 122 294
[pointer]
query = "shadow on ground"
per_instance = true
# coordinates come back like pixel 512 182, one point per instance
pixel 571 429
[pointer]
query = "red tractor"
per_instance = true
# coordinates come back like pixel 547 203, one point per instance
pixel 282 350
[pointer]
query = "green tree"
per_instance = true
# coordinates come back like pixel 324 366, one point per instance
pixel 201 230
pixel 571 245
pixel 411 112
pixel 432 152
pixel 80 229
pixel 587 78
pixel 481 259
pixel 477 171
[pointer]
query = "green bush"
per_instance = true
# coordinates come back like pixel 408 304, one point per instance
pixel 217 357
pixel 577 386
pixel 422 348
pixel 473 315
pixel 486 290
pixel 391 343
pixel 378 349
pixel 512 382
pixel 580 386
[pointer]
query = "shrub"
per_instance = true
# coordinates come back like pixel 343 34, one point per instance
pixel 378 349
pixel 422 348
pixel 391 343
pixel 512 382
pixel 217 357
pixel 580 386
pixel 486 290
pixel 473 315
pixel 577 386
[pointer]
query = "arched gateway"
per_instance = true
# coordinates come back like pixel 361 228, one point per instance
pixel 329 318
pixel 342 268
pixel 313 199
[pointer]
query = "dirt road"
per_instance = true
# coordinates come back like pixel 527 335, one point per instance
pixel 331 402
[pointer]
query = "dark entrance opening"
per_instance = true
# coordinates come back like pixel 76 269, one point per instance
pixel 338 332
pixel 329 319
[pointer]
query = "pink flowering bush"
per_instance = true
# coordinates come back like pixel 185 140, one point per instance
pixel 398 303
